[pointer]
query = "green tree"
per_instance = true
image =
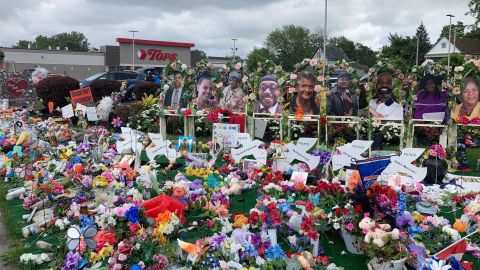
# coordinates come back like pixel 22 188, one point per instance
pixel 456 59
pixel 400 47
pixel 474 10
pixel 257 55
pixel 424 44
pixel 347 46
pixel 458 28
pixel 75 41
pixel 364 55
pixel 474 33
pixel 291 44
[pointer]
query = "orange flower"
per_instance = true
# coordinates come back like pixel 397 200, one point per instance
pixel 460 225
pixel 164 217
pixel 299 114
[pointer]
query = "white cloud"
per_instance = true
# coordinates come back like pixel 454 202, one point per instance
pixel 211 24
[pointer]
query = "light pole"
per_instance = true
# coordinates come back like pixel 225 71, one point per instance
pixel 325 41
pixel 234 49
pixel 449 42
pixel 133 47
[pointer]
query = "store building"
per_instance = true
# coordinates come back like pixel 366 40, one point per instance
pixel 80 65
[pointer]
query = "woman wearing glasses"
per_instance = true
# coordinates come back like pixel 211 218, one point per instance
pixel 268 92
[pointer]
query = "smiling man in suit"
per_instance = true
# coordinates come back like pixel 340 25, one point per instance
pixel 174 96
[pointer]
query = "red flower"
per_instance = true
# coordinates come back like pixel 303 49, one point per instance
pixel 263 217
pixel 309 206
pixel 337 212
pixel 358 208
pixel 344 210
pixel 313 234
pixel 188 112
pixel 253 219
pixel 323 121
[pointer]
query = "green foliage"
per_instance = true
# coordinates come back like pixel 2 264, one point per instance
pixel 403 47
pixel 258 55
pixel 103 88
pixel 291 44
pixel 459 28
pixel 391 251
pixel 474 10
pixel 355 51
pixel 424 44
pixel 456 59
pixel 75 41
pixel 56 89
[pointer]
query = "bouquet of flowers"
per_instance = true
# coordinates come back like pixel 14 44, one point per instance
pixel 437 151
pixel 433 232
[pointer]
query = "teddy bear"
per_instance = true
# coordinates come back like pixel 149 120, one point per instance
pixel 376 231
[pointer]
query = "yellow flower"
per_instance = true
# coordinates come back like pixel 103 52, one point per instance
pixel 100 181
pixel 418 218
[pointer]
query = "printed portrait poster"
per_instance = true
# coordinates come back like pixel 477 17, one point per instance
pixel 469 109
pixel 205 96
pixel 431 100
pixel 268 99
pixel 304 101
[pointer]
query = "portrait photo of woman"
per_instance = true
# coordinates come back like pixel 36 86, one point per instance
pixel 305 97
pixel 470 106
pixel 205 95
pixel 431 101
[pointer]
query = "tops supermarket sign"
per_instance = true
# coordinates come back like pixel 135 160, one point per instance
pixel 155 54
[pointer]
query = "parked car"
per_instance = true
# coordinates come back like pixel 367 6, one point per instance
pixel 132 78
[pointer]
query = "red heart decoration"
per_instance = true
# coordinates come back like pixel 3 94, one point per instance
pixel 16 86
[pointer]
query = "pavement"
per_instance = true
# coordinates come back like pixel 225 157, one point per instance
pixel 4 245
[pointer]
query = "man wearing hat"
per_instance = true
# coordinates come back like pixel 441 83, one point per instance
pixel 268 93
pixel 342 101
pixel 233 95
pixel 384 106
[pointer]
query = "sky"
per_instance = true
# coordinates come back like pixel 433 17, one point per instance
pixel 211 25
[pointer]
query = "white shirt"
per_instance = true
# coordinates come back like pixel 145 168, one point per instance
pixel 179 96
pixel 392 112
pixel 272 110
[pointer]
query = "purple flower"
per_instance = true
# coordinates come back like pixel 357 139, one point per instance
pixel 196 184
pixel 71 261
pixel 216 240
pixel 404 220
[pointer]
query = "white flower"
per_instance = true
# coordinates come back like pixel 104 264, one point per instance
pixel 293 76
pixel 165 87
pixel 313 62
pixel 458 69
pixel 184 66
pixel 336 226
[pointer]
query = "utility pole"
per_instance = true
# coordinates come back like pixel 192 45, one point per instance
pixel 133 47
pixel 416 61
pixel 325 41
pixel 234 49
pixel 449 42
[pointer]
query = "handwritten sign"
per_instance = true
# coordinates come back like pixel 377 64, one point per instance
pixel 249 147
pixel 67 111
pixel 403 164
pixel 91 113
pixel 161 148
pixel 223 134
pixel 299 152
pixel 82 95
pixel 349 152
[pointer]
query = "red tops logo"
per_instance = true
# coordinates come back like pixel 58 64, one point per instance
pixel 155 54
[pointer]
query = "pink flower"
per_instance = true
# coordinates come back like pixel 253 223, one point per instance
pixel 117 122
pixel 245 78
pixel 313 62
pixel 292 90
pixel 349 226
pixel 122 257
pixel 321 78
pixel 366 214
pixel 317 88
pixel 117 266
pixel 403 234
pixel 293 76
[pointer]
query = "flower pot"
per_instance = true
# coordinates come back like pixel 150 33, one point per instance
pixel 436 170
pixel 272 233
pixel 352 242
pixel 376 264
pixel 315 244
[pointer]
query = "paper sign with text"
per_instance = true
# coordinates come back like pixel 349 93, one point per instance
pixel 348 153
pixel 299 152
pixel 82 95
pixel 67 111
pixel 249 147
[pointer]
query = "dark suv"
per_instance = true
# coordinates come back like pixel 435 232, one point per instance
pixel 130 77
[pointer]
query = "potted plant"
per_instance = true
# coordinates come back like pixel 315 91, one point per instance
pixel 349 230
pixel 436 164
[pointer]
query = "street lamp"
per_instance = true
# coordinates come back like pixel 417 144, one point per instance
pixel 133 47
pixel 325 41
pixel 449 41
pixel 234 49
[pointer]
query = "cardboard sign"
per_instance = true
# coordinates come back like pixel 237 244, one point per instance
pixel 82 95
pixel 16 86
pixel 299 152
pixel 67 111
pixel 162 147
pixel 260 127
pixel 403 164
pixel 91 113
pixel 223 134
pixel 349 152
pixel 249 147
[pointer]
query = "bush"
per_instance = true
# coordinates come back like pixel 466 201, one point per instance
pixel 145 87
pixel 104 88
pixel 56 89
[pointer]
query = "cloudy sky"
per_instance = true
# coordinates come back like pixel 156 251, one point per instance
pixel 211 24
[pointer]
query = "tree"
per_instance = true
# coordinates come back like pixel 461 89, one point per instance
pixel 355 51
pixel 347 46
pixel 424 44
pixel 75 41
pixel 456 59
pixel 291 44
pixel 474 10
pixel 400 47
pixel 458 30
pixel 257 55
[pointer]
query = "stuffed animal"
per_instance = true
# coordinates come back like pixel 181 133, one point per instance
pixel 235 187
pixel 376 231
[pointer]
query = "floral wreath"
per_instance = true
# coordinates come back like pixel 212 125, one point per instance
pixel 265 68
pixel 400 82
pixel 470 68
pixel 292 84
pixel 187 73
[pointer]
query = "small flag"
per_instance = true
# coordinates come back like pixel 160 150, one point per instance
pixel 456 250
